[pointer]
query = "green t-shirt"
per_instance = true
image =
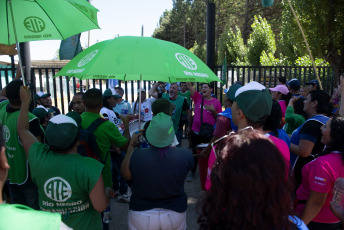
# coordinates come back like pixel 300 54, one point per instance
pixel 17 216
pixel 18 172
pixel 186 95
pixel 106 134
pixel 177 112
pixel 64 183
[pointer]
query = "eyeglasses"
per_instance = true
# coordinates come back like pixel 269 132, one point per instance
pixel 246 129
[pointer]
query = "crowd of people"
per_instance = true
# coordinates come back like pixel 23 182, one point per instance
pixel 273 156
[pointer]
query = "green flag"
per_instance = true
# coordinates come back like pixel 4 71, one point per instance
pixel 267 3
pixel 224 71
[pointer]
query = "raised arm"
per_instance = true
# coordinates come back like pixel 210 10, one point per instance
pixel 191 88
pixel 26 137
pixel 125 164
pixel 152 92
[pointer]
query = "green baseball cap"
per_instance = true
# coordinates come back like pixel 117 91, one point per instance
pixel 40 111
pixel 254 100
pixel 61 131
pixel 160 132
pixel 111 92
pixel 232 90
pixel 41 94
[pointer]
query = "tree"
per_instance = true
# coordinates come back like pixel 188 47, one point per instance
pixel 232 45
pixel 322 22
pixel 261 39
pixel 199 51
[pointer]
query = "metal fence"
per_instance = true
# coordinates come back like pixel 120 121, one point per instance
pixel 62 89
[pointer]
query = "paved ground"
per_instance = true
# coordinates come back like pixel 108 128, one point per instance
pixel 193 191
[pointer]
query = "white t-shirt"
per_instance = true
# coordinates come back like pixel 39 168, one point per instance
pixel 110 115
pixel 146 109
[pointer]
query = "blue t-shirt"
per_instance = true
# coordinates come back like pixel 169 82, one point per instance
pixel 283 136
pixel 158 180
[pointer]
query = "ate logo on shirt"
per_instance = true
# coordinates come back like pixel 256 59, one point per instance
pixel 7 133
pixel 57 189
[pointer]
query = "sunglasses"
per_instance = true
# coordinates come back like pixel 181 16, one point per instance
pixel 217 153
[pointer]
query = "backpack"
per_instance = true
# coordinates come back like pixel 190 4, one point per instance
pixel 88 146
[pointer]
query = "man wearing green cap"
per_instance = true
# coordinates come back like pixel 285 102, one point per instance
pixel 43 115
pixel 180 103
pixel 68 183
pixel 11 213
pixel 44 99
pixel 252 105
pixel 110 98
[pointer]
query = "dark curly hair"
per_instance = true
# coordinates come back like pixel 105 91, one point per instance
pixel 337 136
pixel 250 189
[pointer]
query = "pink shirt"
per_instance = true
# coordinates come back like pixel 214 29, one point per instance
pixel 207 116
pixel 283 107
pixel 280 144
pixel 319 175
pixel 283 148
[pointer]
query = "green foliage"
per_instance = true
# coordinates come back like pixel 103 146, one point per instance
pixel 199 51
pixel 306 61
pixel 261 39
pixel 184 24
pixel 322 23
pixel 232 45
pixel 268 59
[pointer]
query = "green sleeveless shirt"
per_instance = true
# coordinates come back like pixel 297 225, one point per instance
pixel 18 172
pixel 177 110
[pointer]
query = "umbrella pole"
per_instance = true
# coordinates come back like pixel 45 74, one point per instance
pixel 140 103
pixel 17 44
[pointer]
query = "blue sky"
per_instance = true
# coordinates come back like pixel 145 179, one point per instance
pixel 115 17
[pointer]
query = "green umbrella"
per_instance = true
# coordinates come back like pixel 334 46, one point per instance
pixel 33 20
pixel 138 58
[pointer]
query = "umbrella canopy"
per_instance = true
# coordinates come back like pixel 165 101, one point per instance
pixel 138 58
pixel 32 20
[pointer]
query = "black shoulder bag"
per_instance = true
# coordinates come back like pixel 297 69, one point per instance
pixel 206 130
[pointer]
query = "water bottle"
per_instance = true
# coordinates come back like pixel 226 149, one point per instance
pixel 124 109
pixel 107 215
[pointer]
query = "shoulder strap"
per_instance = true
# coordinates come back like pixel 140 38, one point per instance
pixel 202 112
pixel 95 124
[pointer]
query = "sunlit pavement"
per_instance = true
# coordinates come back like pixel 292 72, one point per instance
pixel 193 190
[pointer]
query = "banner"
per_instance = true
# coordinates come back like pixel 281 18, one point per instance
pixel 70 47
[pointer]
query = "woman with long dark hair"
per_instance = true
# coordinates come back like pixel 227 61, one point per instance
pixel 305 140
pixel 249 186
pixel 318 178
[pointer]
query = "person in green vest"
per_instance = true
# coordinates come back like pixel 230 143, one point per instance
pixel 184 92
pixel 11 213
pixel 180 103
pixel 67 182
pixel 22 189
